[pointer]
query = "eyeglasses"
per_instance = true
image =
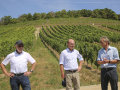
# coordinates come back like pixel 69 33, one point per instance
pixel 20 46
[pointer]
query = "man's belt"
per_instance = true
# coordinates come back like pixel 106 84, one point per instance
pixel 71 70
pixel 19 74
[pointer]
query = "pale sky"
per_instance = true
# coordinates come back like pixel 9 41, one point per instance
pixel 15 8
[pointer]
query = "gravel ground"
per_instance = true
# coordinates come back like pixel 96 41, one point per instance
pixel 94 87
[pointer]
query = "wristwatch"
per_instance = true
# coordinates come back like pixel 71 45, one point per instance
pixel 31 70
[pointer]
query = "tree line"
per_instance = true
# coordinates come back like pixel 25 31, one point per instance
pixel 97 13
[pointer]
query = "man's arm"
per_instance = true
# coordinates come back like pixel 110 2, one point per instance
pixel 80 66
pixel 108 61
pixel 116 57
pixel 62 71
pixel 5 71
pixel 79 56
pixel 32 69
pixel 113 61
pixel 61 61
pixel 33 66
pixel 33 62
pixel 101 62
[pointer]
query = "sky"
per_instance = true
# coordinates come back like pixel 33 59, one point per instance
pixel 16 8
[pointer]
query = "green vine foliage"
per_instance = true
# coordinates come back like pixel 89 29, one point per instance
pixel 9 35
pixel 85 36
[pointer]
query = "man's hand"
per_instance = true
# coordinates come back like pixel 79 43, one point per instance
pixel 27 73
pixel 5 71
pixel 62 75
pixel 10 75
pixel 62 71
pixel 106 61
pixel 79 68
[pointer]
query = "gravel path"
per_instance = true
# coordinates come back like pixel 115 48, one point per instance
pixel 94 87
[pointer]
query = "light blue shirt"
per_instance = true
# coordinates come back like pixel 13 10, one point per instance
pixel 69 59
pixel 110 54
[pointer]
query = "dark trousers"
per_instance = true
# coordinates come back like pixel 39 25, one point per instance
pixel 22 80
pixel 109 75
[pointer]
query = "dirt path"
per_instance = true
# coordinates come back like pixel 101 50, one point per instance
pixel 37 32
pixel 52 50
pixel 94 87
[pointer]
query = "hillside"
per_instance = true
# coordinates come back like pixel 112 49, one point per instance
pixel 47 74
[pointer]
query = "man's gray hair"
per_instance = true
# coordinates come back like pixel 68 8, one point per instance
pixel 105 38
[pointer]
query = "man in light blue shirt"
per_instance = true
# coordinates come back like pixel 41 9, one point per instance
pixel 68 62
pixel 108 57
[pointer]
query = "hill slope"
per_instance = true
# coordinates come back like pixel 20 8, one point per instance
pixel 47 74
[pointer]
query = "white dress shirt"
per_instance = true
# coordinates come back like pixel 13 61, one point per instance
pixel 69 59
pixel 18 62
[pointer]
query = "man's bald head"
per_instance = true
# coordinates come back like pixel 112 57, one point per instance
pixel 70 40
pixel 71 44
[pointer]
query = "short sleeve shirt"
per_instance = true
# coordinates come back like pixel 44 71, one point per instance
pixel 110 54
pixel 69 59
pixel 18 62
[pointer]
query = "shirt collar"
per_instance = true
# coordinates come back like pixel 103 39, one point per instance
pixel 109 48
pixel 17 52
pixel 69 50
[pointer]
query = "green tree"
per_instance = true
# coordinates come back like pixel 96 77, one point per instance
pixel 118 16
pixel 104 13
pixel 50 15
pixel 14 20
pixel 58 14
pixel 85 13
pixel 110 14
pixel 23 18
pixel 29 17
pixel 36 16
pixel 77 14
pixel 64 13
pixel 96 13
pixel 71 13
pixel 6 20
pixel 43 15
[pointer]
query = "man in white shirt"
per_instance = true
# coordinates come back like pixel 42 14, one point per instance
pixel 18 67
pixel 68 62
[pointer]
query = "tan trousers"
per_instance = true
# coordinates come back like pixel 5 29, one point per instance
pixel 72 78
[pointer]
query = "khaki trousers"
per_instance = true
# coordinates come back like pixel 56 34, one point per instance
pixel 72 78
